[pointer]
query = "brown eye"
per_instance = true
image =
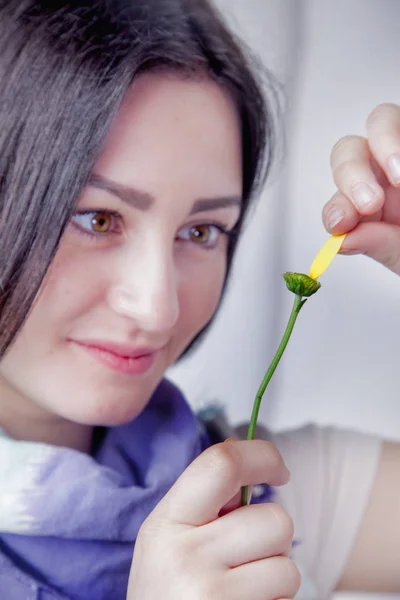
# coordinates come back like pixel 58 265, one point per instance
pixel 205 235
pixel 200 234
pixel 101 222
pixel 97 222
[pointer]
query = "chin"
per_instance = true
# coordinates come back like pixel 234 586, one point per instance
pixel 99 408
pixel 105 416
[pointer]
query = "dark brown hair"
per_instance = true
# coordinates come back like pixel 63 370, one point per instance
pixel 65 67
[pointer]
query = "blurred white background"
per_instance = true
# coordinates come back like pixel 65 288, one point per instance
pixel 337 60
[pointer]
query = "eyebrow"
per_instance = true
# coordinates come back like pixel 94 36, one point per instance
pixel 136 198
pixel 144 201
pixel 213 203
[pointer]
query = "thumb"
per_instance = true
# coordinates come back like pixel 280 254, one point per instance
pixel 378 240
pixel 216 476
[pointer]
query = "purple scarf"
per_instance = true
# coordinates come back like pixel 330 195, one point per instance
pixel 69 521
pixel 72 519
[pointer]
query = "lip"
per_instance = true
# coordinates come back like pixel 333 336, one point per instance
pixel 121 358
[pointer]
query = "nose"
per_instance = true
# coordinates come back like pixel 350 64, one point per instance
pixel 146 289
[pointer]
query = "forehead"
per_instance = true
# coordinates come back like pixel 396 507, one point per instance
pixel 169 127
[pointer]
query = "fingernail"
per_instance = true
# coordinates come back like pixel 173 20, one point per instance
pixel 230 440
pixel 363 195
pixel 393 166
pixel 350 252
pixel 334 216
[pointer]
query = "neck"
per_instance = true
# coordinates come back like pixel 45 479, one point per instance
pixel 22 419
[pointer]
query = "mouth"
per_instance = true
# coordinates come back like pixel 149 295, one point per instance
pixel 120 358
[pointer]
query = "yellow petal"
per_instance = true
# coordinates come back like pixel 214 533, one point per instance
pixel 326 255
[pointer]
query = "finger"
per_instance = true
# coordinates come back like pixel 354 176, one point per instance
pixel 267 579
pixel 353 174
pixel 383 128
pixel 339 214
pixel 215 476
pixel 232 505
pixel 378 240
pixel 289 549
pixel 247 534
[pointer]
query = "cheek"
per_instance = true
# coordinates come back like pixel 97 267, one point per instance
pixel 200 292
pixel 72 286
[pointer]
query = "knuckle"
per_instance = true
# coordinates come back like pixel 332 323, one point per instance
pixel 192 547
pixel 225 461
pixel 346 172
pixel 157 547
pixel 283 518
pixel 155 532
pixel 273 456
pixel 391 260
pixel 337 148
pixel 148 530
pixel 343 144
pixel 381 112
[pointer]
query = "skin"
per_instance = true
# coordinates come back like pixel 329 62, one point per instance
pixel 367 163
pixel 145 281
pixel 243 554
pixel 149 283
pixel 374 230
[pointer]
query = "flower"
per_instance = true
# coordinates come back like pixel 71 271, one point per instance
pixel 301 284
pixel 326 255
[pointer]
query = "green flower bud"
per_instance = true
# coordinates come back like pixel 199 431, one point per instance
pixel 301 284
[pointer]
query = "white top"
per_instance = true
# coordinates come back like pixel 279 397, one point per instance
pixel 332 474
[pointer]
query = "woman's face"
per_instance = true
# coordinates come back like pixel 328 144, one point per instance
pixel 140 269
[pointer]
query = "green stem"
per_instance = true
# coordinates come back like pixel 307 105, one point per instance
pixel 297 306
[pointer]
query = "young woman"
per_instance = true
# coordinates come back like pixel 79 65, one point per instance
pixel 133 136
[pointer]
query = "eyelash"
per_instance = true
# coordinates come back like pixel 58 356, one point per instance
pixel 221 229
pixel 96 236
